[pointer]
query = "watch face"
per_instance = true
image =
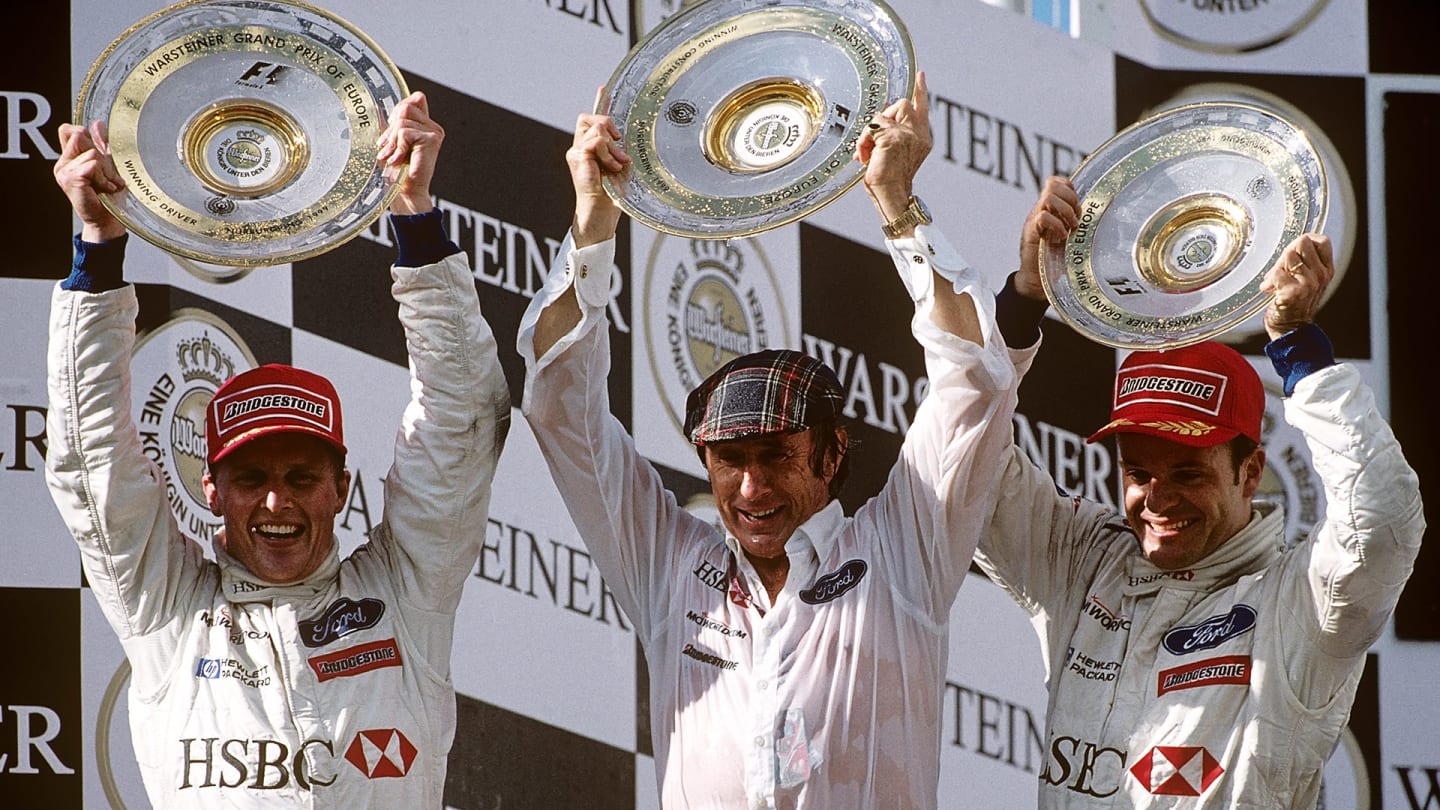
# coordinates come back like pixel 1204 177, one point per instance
pixel 923 209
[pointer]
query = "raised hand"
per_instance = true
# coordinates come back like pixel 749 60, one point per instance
pixel 84 171
pixel 1055 215
pixel 595 155
pixel 410 147
pixel 1298 280
pixel 892 148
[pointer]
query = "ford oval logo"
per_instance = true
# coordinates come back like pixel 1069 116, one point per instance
pixel 343 617
pixel 833 586
pixel 1212 632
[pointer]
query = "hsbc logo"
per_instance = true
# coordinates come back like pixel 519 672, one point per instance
pixel 259 764
pixel 256 764
pixel 381 753
pixel 1176 770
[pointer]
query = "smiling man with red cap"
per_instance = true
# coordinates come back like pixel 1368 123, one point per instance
pixel 278 674
pixel 796 655
pixel 1194 660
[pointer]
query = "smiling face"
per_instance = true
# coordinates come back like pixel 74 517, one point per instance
pixel 766 486
pixel 1184 502
pixel 279 495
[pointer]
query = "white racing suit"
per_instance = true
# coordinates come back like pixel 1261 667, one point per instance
pixel 1226 685
pixel 831 696
pixel 331 693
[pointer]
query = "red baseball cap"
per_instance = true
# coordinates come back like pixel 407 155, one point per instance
pixel 271 399
pixel 1200 395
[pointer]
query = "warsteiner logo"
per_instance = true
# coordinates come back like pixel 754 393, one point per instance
pixel 177 369
pixel 707 301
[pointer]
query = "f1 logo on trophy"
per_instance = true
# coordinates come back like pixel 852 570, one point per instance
pixel 246 130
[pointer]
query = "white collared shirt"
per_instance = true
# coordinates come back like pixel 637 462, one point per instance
pixel 831 696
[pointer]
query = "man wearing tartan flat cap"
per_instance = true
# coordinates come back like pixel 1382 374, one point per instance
pixel 772 391
pixel 796 655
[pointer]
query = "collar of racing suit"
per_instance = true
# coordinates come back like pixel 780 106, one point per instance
pixel 242 586
pixel 1255 547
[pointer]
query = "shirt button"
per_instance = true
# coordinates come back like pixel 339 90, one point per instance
pixel 759 742
pixel 763 685
pixel 584 270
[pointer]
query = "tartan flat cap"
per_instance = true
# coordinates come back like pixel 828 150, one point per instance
pixel 772 391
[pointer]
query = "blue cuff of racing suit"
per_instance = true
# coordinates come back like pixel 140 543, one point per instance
pixel 98 266
pixel 1017 316
pixel 1299 353
pixel 421 238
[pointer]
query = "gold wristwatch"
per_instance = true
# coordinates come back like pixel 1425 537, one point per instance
pixel 914 214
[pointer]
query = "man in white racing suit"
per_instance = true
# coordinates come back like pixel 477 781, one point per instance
pixel 279 675
pixel 1194 661
pixel 797 656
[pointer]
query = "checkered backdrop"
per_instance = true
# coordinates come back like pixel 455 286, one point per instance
pixel 553 706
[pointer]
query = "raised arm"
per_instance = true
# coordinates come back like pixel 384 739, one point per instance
pixel 893 148
pixel 109 493
pixel 936 495
pixel 1363 552
pixel 437 492
pixel 595 155
pixel 629 523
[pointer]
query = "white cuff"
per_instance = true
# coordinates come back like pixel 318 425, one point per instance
pixel 926 254
pixel 589 269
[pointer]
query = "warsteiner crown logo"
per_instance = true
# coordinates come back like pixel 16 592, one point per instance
pixel 202 359
pixel 177 369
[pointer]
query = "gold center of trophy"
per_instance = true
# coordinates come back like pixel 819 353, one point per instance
pixel 763 125
pixel 1192 242
pixel 244 148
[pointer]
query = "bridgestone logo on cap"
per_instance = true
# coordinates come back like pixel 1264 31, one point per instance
pixel 276 401
pixel 1188 388
pixel 1198 390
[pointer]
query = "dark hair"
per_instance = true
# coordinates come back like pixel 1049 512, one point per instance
pixel 828 432
pixel 1240 449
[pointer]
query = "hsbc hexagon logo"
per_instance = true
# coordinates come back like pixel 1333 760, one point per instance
pixel 1177 770
pixel 381 753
